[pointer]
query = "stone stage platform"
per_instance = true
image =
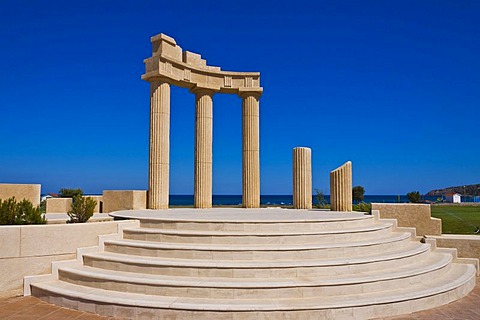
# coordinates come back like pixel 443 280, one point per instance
pixel 233 263
pixel 273 214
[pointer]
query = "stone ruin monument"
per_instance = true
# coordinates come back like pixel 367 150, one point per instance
pixel 301 264
pixel 170 65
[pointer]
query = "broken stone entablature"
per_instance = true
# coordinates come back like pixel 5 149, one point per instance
pixel 188 70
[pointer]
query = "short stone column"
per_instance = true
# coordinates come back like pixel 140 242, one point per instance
pixel 159 156
pixel 203 148
pixel 341 188
pixel 302 178
pixel 250 150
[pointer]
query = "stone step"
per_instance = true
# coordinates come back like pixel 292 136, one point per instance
pixel 218 219
pixel 257 268
pixel 233 251
pixel 457 282
pixel 249 288
pixel 297 236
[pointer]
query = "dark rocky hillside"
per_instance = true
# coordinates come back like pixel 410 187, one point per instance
pixel 467 190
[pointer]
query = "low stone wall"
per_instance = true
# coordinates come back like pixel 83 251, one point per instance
pixel 63 205
pixel 99 207
pixel 21 191
pixel 468 246
pixel 411 215
pixel 29 250
pixel 115 200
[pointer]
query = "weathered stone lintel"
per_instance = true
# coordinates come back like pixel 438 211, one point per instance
pixel 187 69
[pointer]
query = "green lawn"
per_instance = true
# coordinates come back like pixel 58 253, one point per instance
pixel 457 219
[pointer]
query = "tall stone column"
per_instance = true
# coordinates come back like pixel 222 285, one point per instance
pixel 250 150
pixel 159 156
pixel 203 148
pixel 302 178
pixel 341 188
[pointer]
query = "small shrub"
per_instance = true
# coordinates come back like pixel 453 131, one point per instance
pixel 358 194
pixel 414 197
pixel 82 209
pixel 23 212
pixel 43 206
pixel 363 207
pixel 321 202
pixel 70 193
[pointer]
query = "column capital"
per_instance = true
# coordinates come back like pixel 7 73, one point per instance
pixel 205 89
pixel 246 92
pixel 161 80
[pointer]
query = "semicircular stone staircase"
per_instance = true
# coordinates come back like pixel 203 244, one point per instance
pixel 268 263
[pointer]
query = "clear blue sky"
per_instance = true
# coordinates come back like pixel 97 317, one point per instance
pixel 393 86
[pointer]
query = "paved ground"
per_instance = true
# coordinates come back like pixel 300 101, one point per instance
pixel 60 218
pixel 29 308
pixel 273 214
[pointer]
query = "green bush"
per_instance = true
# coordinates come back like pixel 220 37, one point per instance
pixel 321 202
pixel 414 197
pixel 363 207
pixel 23 212
pixel 82 209
pixel 70 193
pixel 358 194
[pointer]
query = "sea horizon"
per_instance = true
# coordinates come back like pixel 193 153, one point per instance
pixel 286 199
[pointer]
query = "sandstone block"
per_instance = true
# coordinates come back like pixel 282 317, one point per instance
pixel 115 200
pixel 58 205
pixel 411 215
pixel 21 191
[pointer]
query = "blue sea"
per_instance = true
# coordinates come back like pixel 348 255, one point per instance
pixel 234 200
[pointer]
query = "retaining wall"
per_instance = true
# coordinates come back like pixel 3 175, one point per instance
pixel 21 191
pixel 29 250
pixel 411 215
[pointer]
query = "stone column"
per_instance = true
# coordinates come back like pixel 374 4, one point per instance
pixel 341 188
pixel 250 150
pixel 159 156
pixel 302 178
pixel 203 148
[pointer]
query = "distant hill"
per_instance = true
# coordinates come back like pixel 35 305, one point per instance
pixel 470 190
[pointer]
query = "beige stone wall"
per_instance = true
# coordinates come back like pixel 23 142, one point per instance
pixel 99 206
pixel 63 205
pixel 411 215
pixel 115 200
pixel 30 250
pixel 21 191
pixel 468 246
pixel 58 205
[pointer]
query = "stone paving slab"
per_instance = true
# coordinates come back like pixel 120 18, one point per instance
pixel 240 215
pixel 61 218
pixel 30 308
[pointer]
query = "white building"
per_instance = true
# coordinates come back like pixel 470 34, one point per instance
pixel 453 197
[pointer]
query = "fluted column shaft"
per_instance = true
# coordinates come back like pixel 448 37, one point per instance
pixel 341 188
pixel 203 148
pixel 250 150
pixel 302 178
pixel 159 155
